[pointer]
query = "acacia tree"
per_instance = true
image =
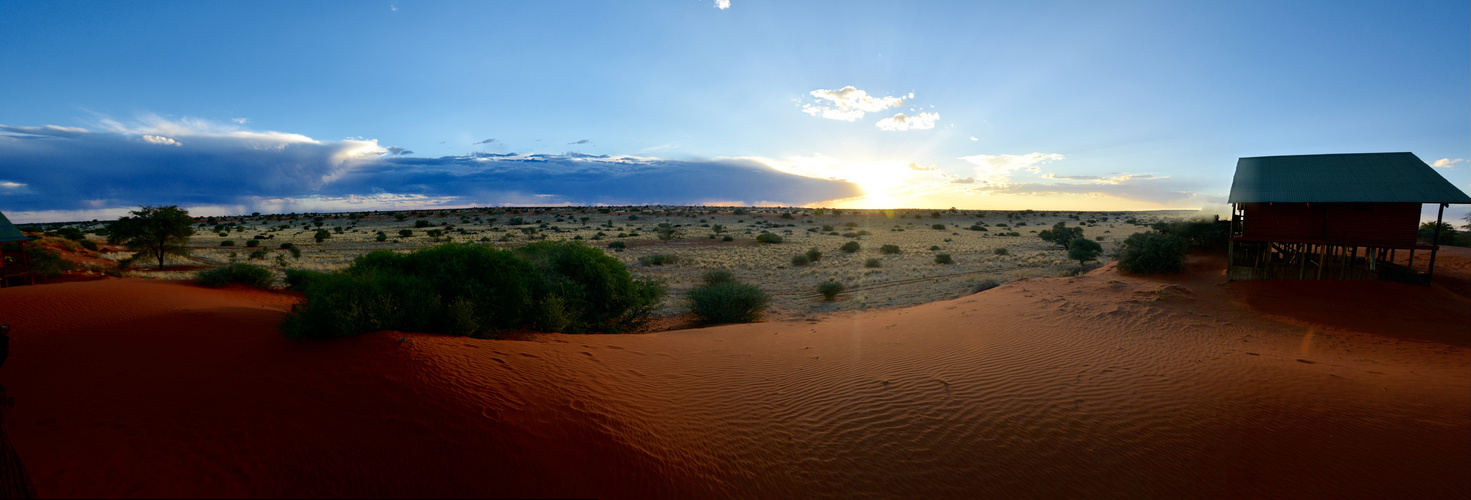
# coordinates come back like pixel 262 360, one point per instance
pixel 1083 250
pixel 1061 234
pixel 154 231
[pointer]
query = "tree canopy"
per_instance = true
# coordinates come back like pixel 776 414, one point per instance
pixel 1061 234
pixel 1083 250
pixel 153 231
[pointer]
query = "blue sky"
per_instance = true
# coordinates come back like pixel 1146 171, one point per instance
pixel 230 107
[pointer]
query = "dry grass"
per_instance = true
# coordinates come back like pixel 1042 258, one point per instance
pixel 908 278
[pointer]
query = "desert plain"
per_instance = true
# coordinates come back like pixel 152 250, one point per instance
pixel 1065 380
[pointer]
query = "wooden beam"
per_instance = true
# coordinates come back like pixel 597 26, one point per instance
pixel 1435 243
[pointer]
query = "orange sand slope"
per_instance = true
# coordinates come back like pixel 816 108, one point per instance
pixel 1101 386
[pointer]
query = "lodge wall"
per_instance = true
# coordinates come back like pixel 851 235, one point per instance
pixel 1368 224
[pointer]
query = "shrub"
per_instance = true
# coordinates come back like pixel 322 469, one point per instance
pixel 381 236
pixel 850 247
pixel 322 235
pixel 405 233
pixel 943 258
pixel 977 227
pixel 1000 251
pixel 47 263
pixel 830 289
pixel 940 227
pixel 252 243
pixel 727 238
pixel 1083 250
pixel 813 254
pixel 71 233
pixel 1152 253
pixel 245 274
pixel 934 247
pixel 728 302
pixel 801 260
pixel 873 263
pixel 717 277
pixel 258 254
pixel 658 260
pixel 889 249
pixel 299 279
pixel 471 289
pixel 421 223
pixel 986 285
pixel 1197 233
pixel 88 244
pixel 618 246
pixel 768 238
pixel 227 243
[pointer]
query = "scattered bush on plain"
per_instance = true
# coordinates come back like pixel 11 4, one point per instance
pixel 239 272
pixel 830 289
pixel 476 290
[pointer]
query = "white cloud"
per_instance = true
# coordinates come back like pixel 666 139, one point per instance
pixel 849 103
pixel 901 122
pixel 722 4
pixel 997 169
pixel 974 139
pixel 11 185
pixel 161 140
pixel 241 121
pixel 1446 162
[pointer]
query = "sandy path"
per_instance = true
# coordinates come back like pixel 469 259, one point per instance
pixel 1100 385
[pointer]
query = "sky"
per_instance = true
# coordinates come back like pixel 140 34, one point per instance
pixel 227 107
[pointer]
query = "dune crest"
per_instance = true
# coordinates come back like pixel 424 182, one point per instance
pixel 1098 385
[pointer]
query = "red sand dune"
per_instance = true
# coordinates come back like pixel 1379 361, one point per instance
pixel 1101 386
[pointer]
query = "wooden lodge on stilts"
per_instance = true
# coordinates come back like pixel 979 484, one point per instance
pixel 1334 217
pixel 15 265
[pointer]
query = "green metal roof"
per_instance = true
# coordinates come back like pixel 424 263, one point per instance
pixel 1361 177
pixel 8 231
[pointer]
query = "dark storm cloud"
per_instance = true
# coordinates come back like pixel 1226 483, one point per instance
pixel 55 168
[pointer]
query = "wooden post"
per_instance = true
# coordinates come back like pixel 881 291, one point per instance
pixel 1435 243
pixel 1322 260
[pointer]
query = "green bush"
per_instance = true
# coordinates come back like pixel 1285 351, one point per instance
pixel 830 289
pixel 986 285
pixel 245 274
pixel 889 249
pixel 728 302
pixel 618 246
pixel 768 238
pixel 47 263
pixel 813 254
pixel 800 260
pixel 977 227
pixel 1060 234
pixel 717 277
pixel 1152 253
pixel 850 247
pixel 258 254
pixel 88 244
pixel 381 236
pixel 727 238
pixel 1083 250
pixel 473 289
pixel 71 233
pixel 299 279
pixel 940 227
pixel 405 233
pixel 252 243
pixel 227 243
pixel 1000 251
pixel 658 260
pixel 943 258
pixel 873 263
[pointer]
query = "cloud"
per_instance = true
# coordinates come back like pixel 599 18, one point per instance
pixel 901 121
pixel 998 169
pixel 849 103
pixel 241 121
pixel 487 141
pixel 651 149
pixel 396 151
pixel 70 174
pixel 1446 162
pixel 974 139
pixel 583 141
pixel 722 4
pixel 161 140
